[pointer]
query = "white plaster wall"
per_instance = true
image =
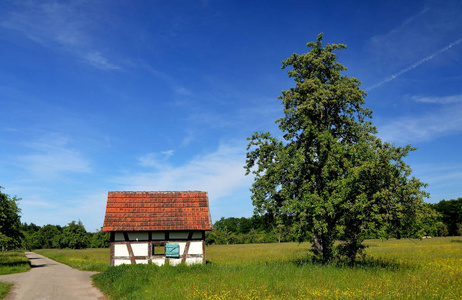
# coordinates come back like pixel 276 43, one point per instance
pixel 141 236
pixel 174 261
pixel 179 235
pixel 182 246
pixel 141 261
pixel 140 249
pixel 158 236
pixel 195 248
pixel 118 262
pixel 119 237
pixel 158 261
pixel 120 250
pixel 193 260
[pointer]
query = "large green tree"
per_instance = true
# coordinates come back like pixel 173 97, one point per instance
pixel 330 172
pixel 10 236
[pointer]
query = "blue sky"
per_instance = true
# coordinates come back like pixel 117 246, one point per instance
pixel 100 96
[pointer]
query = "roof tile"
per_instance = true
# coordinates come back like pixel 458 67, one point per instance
pixel 157 211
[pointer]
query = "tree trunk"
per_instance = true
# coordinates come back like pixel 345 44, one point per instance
pixel 317 244
pixel 322 247
pixel 327 253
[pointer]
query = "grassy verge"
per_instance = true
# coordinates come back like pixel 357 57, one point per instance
pixel 11 262
pixel 4 289
pixel 84 259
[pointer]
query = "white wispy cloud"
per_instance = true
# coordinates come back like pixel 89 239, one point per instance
pixel 441 122
pixel 95 59
pixel 62 26
pixel 44 208
pixel 183 91
pixel 156 160
pixel 87 206
pixel 438 100
pixel 415 65
pixel 50 157
pixel 426 33
pixel 219 173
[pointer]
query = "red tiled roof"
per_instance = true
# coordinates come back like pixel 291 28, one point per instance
pixel 152 211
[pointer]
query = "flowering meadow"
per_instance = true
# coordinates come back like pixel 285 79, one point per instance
pixel 392 269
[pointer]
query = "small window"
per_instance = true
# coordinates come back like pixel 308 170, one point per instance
pixel 158 249
pixel 172 250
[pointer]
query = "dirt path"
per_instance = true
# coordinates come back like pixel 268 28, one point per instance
pixel 49 279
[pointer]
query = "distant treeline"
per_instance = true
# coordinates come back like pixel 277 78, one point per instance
pixel 264 229
pixel 17 235
pixel 72 236
pixel 450 215
pixel 256 229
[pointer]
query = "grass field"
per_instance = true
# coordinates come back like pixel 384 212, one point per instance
pixel 393 269
pixel 11 262
pixel 84 260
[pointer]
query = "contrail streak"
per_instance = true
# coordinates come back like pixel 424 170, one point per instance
pixel 415 65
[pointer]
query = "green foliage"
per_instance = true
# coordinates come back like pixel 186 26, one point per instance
pixel 257 229
pixel 36 237
pixel 99 239
pixel 236 225
pixel 330 173
pixel 451 214
pixel 4 289
pixel 441 229
pixel 73 236
pixel 10 236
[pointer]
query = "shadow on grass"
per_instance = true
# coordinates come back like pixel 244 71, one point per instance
pixel 14 263
pixel 367 263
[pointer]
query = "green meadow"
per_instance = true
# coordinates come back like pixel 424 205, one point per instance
pixel 392 269
pixel 83 259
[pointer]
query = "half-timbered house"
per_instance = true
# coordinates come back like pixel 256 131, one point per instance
pixel 156 227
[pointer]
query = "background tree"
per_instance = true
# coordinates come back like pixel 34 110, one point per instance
pixel 99 239
pixel 330 173
pixel 451 214
pixel 50 236
pixel 441 229
pixel 10 221
pixel 45 237
pixel 257 229
pixel 74 236
pixel 428 223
